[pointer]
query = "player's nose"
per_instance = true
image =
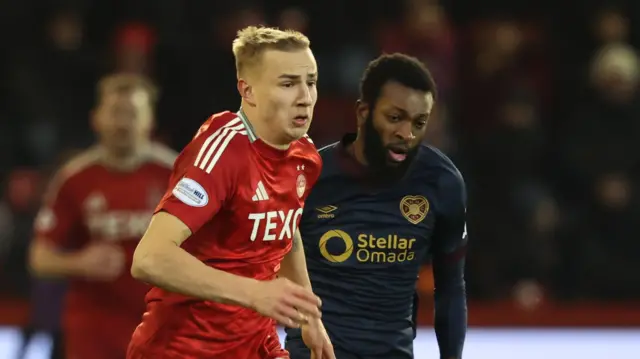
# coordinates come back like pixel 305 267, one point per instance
pixel 304 96
pixel 404 131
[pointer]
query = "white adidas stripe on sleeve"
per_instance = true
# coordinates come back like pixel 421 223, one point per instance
pixel 215 145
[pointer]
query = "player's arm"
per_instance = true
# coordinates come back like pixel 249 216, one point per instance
pixel 159 260
pixel 52 227
pixel 450 244
pixel 45 260
pixel 56 250
pixel 294 264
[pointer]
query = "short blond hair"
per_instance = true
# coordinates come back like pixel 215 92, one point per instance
pixel 123 83
pixel 252 41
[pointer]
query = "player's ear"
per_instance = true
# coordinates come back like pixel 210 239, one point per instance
pixel 246 91
pixel 362 112
pixel 93 119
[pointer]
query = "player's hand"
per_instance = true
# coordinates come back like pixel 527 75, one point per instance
pixel 290 304
pixel 315 337
pixel 101 261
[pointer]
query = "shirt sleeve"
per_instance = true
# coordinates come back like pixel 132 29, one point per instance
pixel 60 217
pixel 451 229
pixel 203 180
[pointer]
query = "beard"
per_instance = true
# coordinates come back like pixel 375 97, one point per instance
pixel 377 154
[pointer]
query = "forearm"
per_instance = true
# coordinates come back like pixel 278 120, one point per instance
pixel 451 323
pixel 172 268
pixel 45 261
pixel 450 311
pixel 294 264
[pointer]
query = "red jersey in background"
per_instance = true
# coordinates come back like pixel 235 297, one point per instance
pixel 87 201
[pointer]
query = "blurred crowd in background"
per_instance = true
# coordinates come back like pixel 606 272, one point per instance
pixel 538 107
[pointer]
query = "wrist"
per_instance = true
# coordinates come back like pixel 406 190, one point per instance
pixel 243 292
pixel 313 322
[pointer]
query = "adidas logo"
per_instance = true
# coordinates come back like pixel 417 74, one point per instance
pixel 261 193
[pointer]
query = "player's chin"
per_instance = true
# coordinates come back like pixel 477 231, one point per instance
pixel 391 164
pixel 297 132
pixel 121 147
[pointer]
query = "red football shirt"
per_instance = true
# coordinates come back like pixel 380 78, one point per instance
pixel 242 200
pixel 88 201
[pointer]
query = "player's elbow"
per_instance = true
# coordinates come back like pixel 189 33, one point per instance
pixel 147 263
pixel 157 248
pixel 141 265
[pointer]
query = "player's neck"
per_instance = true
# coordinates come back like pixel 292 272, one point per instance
pixel 356 150
pixel 122 161
pixel 261 129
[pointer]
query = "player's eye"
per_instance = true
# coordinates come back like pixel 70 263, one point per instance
pixel 287 84
pixel 394 118
pixel 421 124
pixel 311 83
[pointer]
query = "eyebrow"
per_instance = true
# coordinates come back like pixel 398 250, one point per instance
pixel 297 77
pixel 425 114
pixel 398 108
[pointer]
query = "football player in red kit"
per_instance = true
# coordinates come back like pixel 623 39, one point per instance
pixel 223 249
pixel 95 211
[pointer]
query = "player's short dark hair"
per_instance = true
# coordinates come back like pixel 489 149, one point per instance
pixel 401 68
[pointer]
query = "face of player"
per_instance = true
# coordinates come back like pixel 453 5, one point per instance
pixel 123 121
pixel 285 93
pixel 394 128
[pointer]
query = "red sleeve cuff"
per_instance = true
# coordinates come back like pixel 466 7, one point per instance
pixel 176 210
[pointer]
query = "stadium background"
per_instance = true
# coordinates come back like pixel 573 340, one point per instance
pixel 538 108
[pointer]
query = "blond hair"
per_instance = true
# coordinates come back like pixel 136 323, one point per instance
pixel 124 83
pixel 252 41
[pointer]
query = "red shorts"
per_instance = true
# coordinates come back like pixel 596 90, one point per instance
pixel 262 346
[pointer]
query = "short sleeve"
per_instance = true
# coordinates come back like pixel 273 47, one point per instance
pixel 59 217
pixel 204 178
pixel 451 230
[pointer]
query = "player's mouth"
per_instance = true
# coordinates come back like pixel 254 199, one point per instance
pixel 301 120
pixel 397 154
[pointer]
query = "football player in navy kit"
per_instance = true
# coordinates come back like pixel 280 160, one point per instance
pixel 383 203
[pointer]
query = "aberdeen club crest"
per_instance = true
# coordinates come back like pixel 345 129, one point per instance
pixel 301 185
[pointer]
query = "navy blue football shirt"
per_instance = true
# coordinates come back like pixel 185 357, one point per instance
pixel 365 244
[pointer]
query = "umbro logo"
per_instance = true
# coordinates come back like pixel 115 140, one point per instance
pixel 261 193
pixel 326 212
